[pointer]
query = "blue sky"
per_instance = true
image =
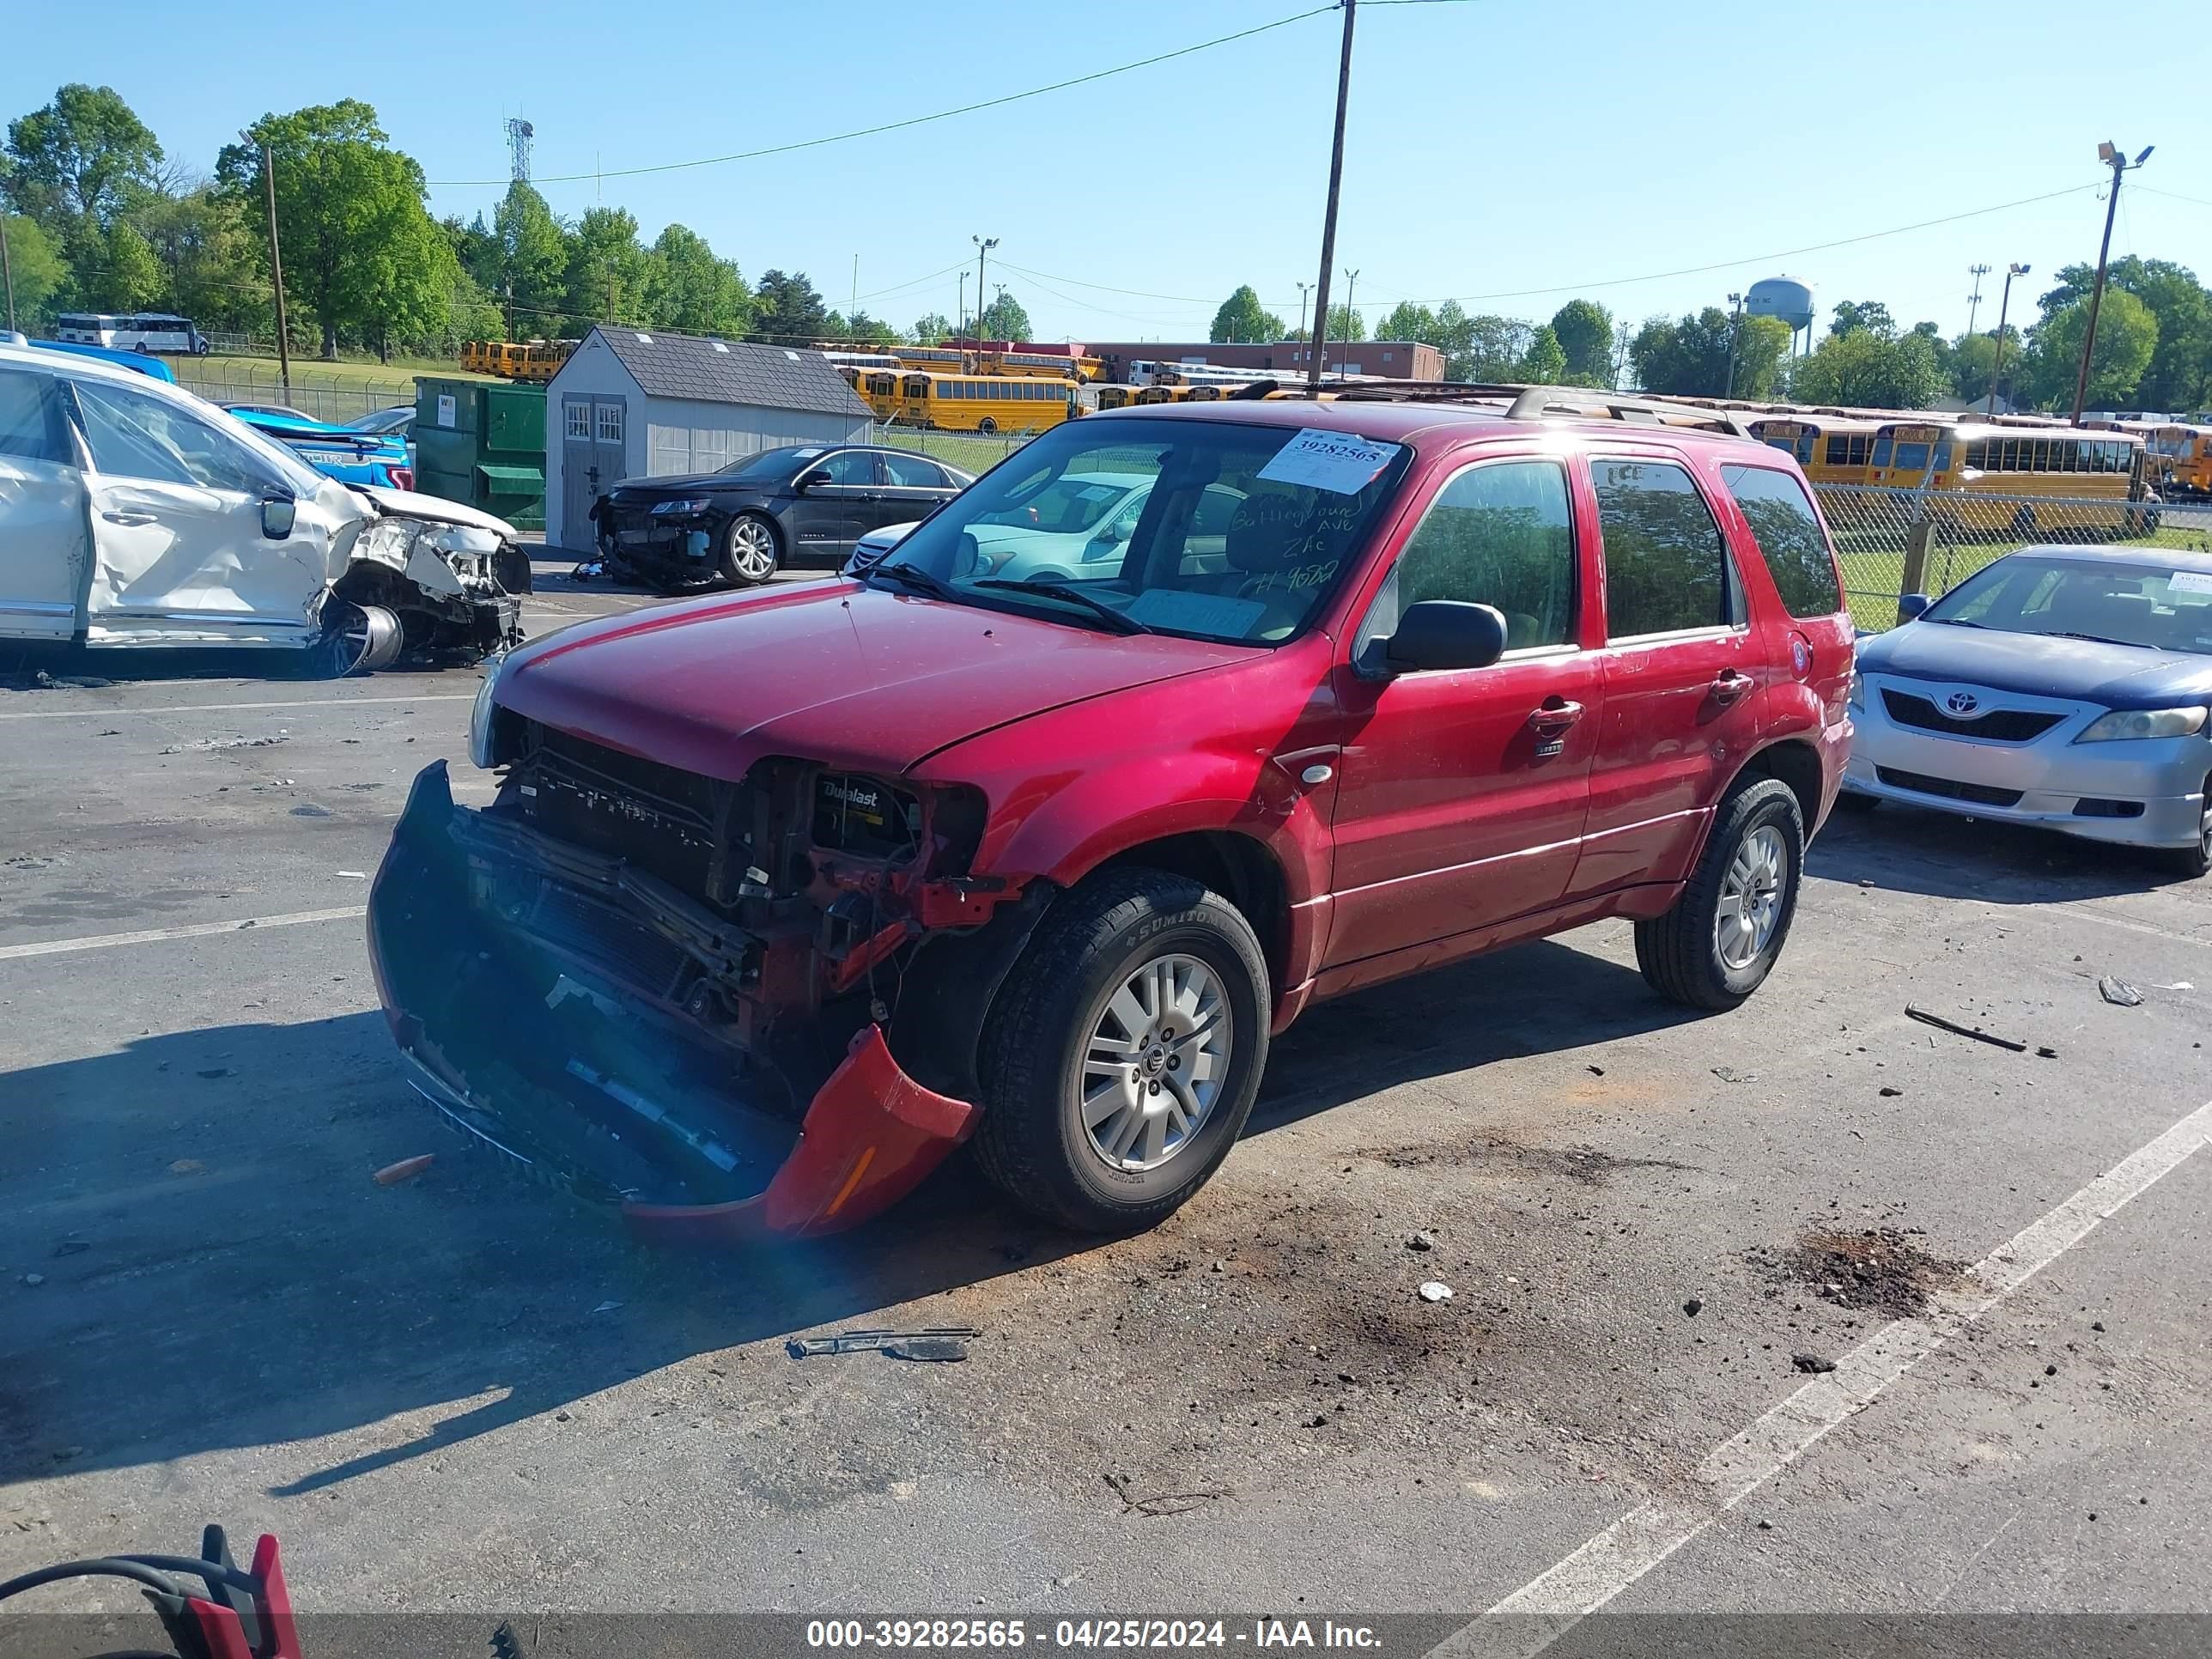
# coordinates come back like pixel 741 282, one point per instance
pixel 1495 146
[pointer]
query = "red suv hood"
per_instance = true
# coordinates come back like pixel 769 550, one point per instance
pixel 829 671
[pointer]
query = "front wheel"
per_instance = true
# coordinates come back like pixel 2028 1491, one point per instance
pixel 751 550
pixel 1721 938
pixel 2195 861
pixel 987 426
pixel 1122 1057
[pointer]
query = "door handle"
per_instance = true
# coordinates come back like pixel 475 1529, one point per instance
pixel 128 517
pixel 1729 685
pixel 1555 711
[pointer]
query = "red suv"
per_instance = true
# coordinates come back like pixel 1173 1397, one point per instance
pixel 1037 830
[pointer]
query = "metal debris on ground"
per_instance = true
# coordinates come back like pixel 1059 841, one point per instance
pixel 606 1307
pixel 1693 1307
pixel 1956 1029
pixel 82 682
pixel 1435 1289
pixel 1812 1363
pixel 1420 1241
pixel 405 1170
pixel 34 1280
pixel 939 1342
pixel 589 570
pixel 2119 992
pixel 1729 1074
pixel 215 745
pixel 1161 1503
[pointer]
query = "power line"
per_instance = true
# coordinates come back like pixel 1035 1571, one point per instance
pixel 2195 201
pixel 896 126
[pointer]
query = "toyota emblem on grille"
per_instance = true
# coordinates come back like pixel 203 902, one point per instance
pixel 1962 703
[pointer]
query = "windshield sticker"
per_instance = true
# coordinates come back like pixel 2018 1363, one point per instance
pixel 2189 581
pixel 807 454
pixel 1196 613
pixel 1334 461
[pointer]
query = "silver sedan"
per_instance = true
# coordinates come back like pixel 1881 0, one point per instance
pixel 2065 687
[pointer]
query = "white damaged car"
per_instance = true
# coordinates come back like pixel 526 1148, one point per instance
pixel 135 513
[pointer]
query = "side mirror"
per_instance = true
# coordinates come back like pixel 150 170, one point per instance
pixel 1445 634
pixel 278 512
pixel 1909 606
pixel 968 557
pixel 813 480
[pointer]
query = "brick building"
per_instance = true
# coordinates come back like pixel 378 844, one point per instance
pixel 1392 360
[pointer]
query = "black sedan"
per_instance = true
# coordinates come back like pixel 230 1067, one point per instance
pixel 802 503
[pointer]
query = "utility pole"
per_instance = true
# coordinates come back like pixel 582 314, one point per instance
pixel 1736 339
pixel 1304 288
pixel 2005 307
pixel 1351 288
pixel 7 271
pixel 1329 216
pixel 1974 300
pixel 276 273
pixel 960 311
pixel 2117 160
pixel 854 309
pixel 982 247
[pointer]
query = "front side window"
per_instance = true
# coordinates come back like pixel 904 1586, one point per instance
pixel 850 466
pixel 135 437
pixel 1788 532
pixel 1500 535
pixel 1665 566
pixel 1242 534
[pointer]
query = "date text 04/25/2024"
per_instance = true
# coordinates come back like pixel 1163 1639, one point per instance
pixel 1088 1634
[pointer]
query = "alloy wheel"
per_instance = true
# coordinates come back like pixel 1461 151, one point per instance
pixel 753 550
pixel 1155 1063
pixel 1751 898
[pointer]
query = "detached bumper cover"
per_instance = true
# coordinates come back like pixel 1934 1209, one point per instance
pixel 504 984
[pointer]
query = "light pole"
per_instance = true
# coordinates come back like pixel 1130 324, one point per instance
pixel 1329 216
pixel 1736 338
pixel 960 313
pixel 2117 160
pixel 1351 288
pixel 2005 307
pixel 1303 288
pixel 1974 300
pixel 982 247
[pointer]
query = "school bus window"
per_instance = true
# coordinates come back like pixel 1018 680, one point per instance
pixel 1914 456
pixel 1943 456
pixel 1882 451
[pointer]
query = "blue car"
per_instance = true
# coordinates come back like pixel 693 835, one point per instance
pixel 342 452
pixel 145 362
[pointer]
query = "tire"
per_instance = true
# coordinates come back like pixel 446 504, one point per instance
pixel 1680 953
pixel 987 426
pixel 751 549
pixel 2192 863
pixel 1100 946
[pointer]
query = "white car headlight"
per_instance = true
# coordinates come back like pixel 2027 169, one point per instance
pixel 2123 723
pixel 677 509
pixel 1858 690
pixel 480 716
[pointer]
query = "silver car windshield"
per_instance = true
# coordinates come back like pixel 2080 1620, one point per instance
pixel 1210 528
pixel 2152 605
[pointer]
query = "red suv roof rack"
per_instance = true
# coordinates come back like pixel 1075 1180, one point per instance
pixel 1537 402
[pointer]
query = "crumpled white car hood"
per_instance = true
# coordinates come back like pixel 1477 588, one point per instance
pixel 412 504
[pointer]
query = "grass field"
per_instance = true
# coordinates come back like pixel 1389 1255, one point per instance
pixel 314 373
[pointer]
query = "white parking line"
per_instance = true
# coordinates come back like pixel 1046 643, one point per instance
pixel 1553 1601
pixel 54 947
pixel 111 712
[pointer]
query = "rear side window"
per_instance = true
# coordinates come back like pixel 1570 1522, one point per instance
pixel 912 472
pixel 1500 535
pixel 1789 535
pixel 31 423
pixel 1665 566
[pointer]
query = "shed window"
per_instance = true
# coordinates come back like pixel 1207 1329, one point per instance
pixel 610 420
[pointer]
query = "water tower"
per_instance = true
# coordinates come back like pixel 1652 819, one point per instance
pixel 1787 298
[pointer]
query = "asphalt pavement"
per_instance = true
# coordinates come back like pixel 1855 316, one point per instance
pixel 1657 1230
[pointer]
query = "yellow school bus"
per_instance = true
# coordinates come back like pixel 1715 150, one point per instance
pixel 2176 457
pixel 986 403
pixel 1161 394
pixel 1117 396
pixel 1991 479
pixel 1833 448
pixel 882 390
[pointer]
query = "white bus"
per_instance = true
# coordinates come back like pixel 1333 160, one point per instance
pixel 140 330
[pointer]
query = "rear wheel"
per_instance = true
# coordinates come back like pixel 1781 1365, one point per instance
pixel 1123 1055
pixel 1722 937
pixel 751 550
pixel 987 426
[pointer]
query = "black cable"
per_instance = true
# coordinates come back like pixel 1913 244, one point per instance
pixel 109 1566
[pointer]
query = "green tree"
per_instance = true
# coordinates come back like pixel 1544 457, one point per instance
pixel 115 269
pixel 474 247
pixel 362 256
pixel 1004 319
pixel 929 330
pixel 1482 347
pixel 1861 369
pixel 1853 315
pixel 787 310
pixel 1688 357
pixel 533 261
pixel 79 156
pixel 1545 361
pixel 207 252
pixel 1408 320
pixel 1974 360
pixel 860 329
pixel 609 274
pixel 697 293
pixel 40 273
pixel 2127 341
pixel 1585 332
pixel 1242 317
pixel 1762 355
pixel 1345 324
pixel 2179 376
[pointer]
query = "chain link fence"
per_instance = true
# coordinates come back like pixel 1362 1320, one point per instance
pixel 321 397
pixel 971 452
pixel 1892 542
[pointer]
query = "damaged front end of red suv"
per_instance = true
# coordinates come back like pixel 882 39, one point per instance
pixel 726 1008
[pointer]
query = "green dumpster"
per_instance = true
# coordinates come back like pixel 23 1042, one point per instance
pixel 482 442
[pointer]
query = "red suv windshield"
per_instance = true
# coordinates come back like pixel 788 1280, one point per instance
pixel 1210 528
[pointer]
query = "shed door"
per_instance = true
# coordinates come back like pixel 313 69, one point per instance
pixel 591 437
